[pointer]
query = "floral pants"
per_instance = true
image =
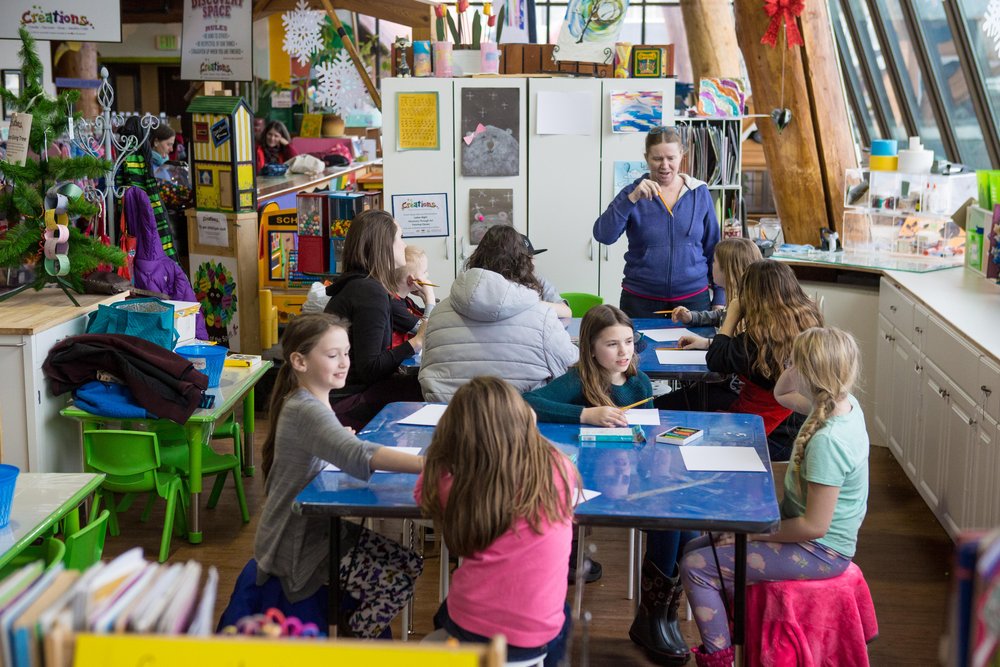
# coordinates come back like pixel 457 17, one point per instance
pixel 379 573
pixel 766 561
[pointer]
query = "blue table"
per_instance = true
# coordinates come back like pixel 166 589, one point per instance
pixel 646 487
pixel 648 363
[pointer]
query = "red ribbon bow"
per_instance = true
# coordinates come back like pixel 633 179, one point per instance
pixel 783 10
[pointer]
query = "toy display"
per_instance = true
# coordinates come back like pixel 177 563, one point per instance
pixel 223 154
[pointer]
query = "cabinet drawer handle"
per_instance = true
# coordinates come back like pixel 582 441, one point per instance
pixel 892 308
pixel 986 390
pixel 891 339
pixel 591 251
pixel 918 367
pixel 918 330
pixel 605 253
pixel 21 344
pixel 972 422
pixel 944 393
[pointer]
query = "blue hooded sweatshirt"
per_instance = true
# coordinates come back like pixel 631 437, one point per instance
pixel 669 255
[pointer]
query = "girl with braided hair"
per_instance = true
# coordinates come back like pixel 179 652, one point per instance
pixel 826 491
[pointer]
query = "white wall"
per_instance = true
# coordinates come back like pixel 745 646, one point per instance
pixel 139 41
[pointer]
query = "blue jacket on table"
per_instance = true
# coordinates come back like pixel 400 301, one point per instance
pixel 669 255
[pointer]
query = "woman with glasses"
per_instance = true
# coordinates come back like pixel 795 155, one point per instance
pixel 669 220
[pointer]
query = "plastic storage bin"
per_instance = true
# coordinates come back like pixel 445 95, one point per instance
pixel 8 480
pixel 209 359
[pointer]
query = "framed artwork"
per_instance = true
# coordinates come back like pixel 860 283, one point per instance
pixel 646 62
pixel 11 80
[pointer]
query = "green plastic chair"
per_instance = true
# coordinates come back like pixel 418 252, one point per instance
pixel 48 549
pixel 130 461
pixel 86 546
pixel 581 302
pixel 230 428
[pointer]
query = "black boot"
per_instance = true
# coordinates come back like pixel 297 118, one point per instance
pixel 655 626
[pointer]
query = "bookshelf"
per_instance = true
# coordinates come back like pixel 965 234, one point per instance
pixel 714 156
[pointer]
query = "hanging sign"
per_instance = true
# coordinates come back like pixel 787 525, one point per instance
pixel 421 215
pixel 216 40
pixel 65 20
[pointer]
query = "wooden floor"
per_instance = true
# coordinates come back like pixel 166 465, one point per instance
pixel 903 551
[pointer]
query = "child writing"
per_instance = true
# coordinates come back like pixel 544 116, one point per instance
pixel 826 490
pixel 502 496
pixel 304 436
pixel 732 257
pixel 755 342
pixel 606 376
pixel 411 278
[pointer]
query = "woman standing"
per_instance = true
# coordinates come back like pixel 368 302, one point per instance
pixel 670 222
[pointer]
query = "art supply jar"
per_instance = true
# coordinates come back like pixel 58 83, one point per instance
pixel 421 58
pixel 489 58
pixel 770 230
pixel 442 59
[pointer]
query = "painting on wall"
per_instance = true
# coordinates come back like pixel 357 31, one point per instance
pixel 636 110
pixel 491 125
pixel 214 282
pixel 488 207
pixel 626 171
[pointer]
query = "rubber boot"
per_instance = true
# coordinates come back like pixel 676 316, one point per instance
pixel 723 658
pixel 655 626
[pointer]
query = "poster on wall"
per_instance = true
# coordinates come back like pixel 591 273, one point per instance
pixel 417 122
pixel 214 282
pixel 217 41
pixel 590 30
pixel 63 20
pixel 213 228
pixel 636 110
pixel 488 207
pixel 421 216
pixel 491 125
pixel 560 112
pixel 626 171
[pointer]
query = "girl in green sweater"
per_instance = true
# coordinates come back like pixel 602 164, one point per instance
pixel 606 376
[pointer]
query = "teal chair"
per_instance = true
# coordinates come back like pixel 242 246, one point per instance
pixel 48 549
pixel 86 546
pixel 130 461
pixel 581 302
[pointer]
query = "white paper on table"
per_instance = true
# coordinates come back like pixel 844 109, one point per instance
pixel 429 415
pixel 722 459
pixel 643 416
pixel 666 335
pixel 329 467
pixel 583 495
pixel 565 112
pixel 681 357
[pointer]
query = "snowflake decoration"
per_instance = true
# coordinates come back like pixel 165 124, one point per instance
pixel 339 87
pixel 303 36
pixel 991 23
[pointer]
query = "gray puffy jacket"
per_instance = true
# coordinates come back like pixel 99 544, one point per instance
pixel 491 326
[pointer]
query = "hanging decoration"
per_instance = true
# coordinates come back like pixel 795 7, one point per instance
pixel 303 32
pixel 991 24
pixel 339 87
pixel 783 12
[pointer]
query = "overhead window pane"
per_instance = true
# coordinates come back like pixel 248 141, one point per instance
pixel 852 73
pixel 914 86
pixel 951 82
pixel 871 56
pixel 987 52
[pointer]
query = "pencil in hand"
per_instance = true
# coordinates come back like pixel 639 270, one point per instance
pixel 663 312
pixel 636 404
pixel 425 284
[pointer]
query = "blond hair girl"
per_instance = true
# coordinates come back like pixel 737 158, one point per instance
pixel 826 491
pixel 501 495
pixel 732 257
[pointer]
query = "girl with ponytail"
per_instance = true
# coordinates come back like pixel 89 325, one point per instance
pixel 303 437
pixel 826 490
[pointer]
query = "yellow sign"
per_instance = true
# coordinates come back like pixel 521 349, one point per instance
pixel 312 125
pixel 154 651
pixel 417 122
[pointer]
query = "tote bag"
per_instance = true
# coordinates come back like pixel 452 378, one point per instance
pixel 151 319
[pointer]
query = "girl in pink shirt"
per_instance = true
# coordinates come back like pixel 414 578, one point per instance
pixel 502 497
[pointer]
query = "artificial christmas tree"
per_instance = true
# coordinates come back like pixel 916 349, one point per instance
pixel 42 201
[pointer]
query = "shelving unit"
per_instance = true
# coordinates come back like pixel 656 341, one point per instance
pixel 719 155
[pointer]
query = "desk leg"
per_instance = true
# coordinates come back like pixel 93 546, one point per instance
pixel 248 427
pixel 581 550
pixel 334 587
pixel 197 433
pixel 740 598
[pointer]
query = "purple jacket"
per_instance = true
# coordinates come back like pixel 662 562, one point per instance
pixel 669 256
pixel 153 270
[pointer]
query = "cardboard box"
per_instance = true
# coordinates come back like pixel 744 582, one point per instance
pixel 185 316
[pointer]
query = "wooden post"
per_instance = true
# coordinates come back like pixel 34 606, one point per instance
pixel 807 159
pixel 353 52
pixel 80 63
pixel 711 34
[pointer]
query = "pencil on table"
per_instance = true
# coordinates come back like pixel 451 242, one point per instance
pixel 637 403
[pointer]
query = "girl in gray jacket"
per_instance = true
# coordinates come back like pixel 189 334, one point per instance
pixel 494 323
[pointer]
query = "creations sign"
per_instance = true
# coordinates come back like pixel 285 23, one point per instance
pixel 216 40
pixel 70 20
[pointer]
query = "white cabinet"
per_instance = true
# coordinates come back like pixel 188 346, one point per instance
pixel 903 424
pixel 932 436
pixel 983 511
pixel 882 414
pixel 959 429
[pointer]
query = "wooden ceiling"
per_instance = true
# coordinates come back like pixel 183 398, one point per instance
pixel 414 13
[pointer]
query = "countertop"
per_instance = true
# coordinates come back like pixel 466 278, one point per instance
pixel 269 187
pixel 32 312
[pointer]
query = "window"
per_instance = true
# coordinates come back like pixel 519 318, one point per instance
pixel 987 59
pixel 861 101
